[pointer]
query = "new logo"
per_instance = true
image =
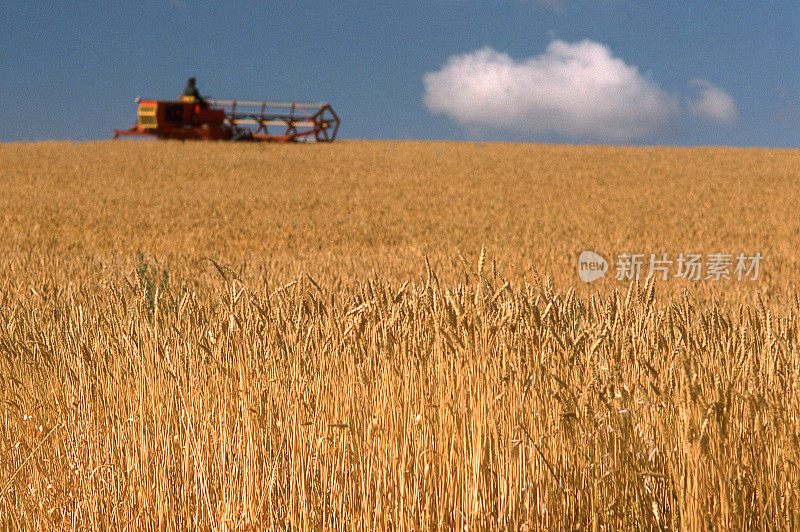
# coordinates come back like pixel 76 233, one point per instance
pixel 591 266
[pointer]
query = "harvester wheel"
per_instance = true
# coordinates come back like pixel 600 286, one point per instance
pixel 242 135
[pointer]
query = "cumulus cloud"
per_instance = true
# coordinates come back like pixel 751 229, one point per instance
pixel 578 90
pixel 713 103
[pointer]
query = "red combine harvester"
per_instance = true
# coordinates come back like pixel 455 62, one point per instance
pixel 234 120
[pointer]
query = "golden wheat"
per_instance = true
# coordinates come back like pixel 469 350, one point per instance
pixel 165 364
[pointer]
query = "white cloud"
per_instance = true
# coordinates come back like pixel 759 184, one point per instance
pixel 579 90
pixel 713 103
pixel 574 89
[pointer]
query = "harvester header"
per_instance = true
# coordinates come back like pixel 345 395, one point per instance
pixel 215 119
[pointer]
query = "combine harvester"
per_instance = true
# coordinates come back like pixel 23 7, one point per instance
pixel 188 119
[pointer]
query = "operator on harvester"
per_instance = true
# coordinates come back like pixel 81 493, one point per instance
pixel 191 90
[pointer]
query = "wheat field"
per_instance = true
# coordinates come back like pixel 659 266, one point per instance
pixel 394 336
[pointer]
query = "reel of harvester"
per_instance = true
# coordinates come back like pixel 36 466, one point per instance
pixel 214 119
pixel 281 121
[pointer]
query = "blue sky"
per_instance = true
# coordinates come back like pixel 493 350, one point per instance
pixel 607 71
